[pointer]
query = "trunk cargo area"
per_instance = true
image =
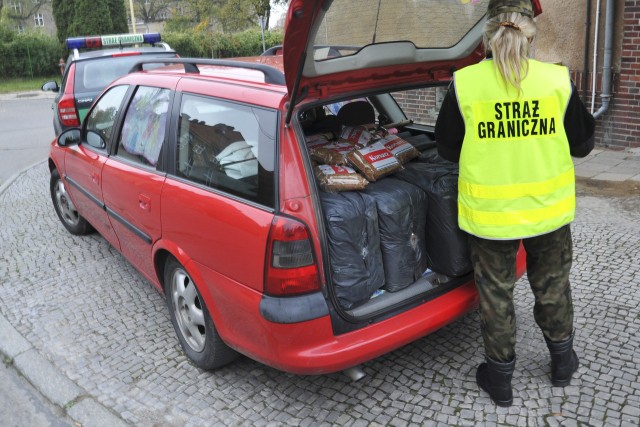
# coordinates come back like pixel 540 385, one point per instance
pixel 389 206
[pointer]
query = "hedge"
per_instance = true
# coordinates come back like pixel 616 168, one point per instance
pixel 35 54
pixel 28 55
pixel 219 45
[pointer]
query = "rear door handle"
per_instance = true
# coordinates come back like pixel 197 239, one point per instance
pixel 95 177
pixel 144 202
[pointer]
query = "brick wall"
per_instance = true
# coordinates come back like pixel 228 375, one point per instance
pixel 620 126
pixel 421 105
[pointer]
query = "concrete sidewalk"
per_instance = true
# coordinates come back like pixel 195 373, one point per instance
pixel 607 165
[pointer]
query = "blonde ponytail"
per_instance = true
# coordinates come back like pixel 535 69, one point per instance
pixel 508 36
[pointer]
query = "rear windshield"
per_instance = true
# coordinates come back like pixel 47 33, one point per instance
pixel 96 74
pixel 427 23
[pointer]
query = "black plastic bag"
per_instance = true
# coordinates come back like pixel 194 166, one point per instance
pixel 357 271
pixel 446 245
pixel 402 216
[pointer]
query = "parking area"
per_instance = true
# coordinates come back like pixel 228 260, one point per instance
pixel 85 309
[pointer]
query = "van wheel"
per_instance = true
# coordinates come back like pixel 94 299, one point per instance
pixel 192 321
pixel 69 216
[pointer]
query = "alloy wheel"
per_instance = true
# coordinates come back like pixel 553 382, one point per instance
pixel 188 310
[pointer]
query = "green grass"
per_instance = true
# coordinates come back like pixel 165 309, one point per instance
pixel 23 84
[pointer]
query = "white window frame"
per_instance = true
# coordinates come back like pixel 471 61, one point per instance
pixel 38 19
pixel 16 6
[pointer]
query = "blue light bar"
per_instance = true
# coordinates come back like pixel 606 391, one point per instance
pixel 96 42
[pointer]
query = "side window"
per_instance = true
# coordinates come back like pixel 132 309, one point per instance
pixel 227 146
pixel 99 123
pixel 144 126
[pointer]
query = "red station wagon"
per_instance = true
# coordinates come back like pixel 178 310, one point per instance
pixel 292 207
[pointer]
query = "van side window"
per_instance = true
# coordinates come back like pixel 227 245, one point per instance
pixel 227 146
pixel 103 115
pixel 144 127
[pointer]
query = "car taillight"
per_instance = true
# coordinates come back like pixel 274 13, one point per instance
pixel 67 111
pixel 290 265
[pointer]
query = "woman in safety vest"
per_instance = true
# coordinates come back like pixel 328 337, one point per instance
pixel 513 124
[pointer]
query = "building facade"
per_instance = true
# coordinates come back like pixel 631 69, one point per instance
pixel 31 15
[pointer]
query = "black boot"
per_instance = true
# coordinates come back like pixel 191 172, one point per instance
pixel 564 361
pixel 495 378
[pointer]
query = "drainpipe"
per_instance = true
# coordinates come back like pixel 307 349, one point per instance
pixel 585 68
pixel 607 72
pixel 594 74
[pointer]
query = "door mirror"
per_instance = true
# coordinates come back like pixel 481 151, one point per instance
pixel 69 137
pixel 51 86
pixel 95 140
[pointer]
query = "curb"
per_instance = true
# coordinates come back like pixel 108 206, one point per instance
pixel 59 390
pixel 34 94
pixel 14 177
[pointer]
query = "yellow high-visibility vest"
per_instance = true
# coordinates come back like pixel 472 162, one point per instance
pixel 516 173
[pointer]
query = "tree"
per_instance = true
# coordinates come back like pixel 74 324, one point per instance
pixel 203 10
pixel 263 8
pixel 63 11
pixel 235 15
pixel 91 17
pixel 118 14
pixel 238 15
pixel 152 10
pixel 192 14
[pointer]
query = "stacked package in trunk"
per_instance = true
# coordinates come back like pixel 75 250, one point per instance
pixel 351 219
pixel 446 244
pixel 402 215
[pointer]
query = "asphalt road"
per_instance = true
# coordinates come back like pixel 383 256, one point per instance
pixel 25 133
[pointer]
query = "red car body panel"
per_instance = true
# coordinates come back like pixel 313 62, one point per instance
pixel 222 234
pixel 133 195
pixel 83 168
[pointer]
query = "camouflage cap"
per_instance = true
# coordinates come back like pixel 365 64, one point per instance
pixel 497 7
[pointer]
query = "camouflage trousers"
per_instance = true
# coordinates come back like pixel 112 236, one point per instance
pixel 548 264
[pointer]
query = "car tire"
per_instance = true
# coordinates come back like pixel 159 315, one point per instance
pixel 192 322
pixel 69 216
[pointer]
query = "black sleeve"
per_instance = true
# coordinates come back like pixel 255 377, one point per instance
pixel 450 127
pixel 579 125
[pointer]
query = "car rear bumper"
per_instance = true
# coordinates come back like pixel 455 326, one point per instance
pixel 326 353
pixel 310 347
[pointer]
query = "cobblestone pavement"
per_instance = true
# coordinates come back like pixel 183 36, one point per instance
pixel 87 311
